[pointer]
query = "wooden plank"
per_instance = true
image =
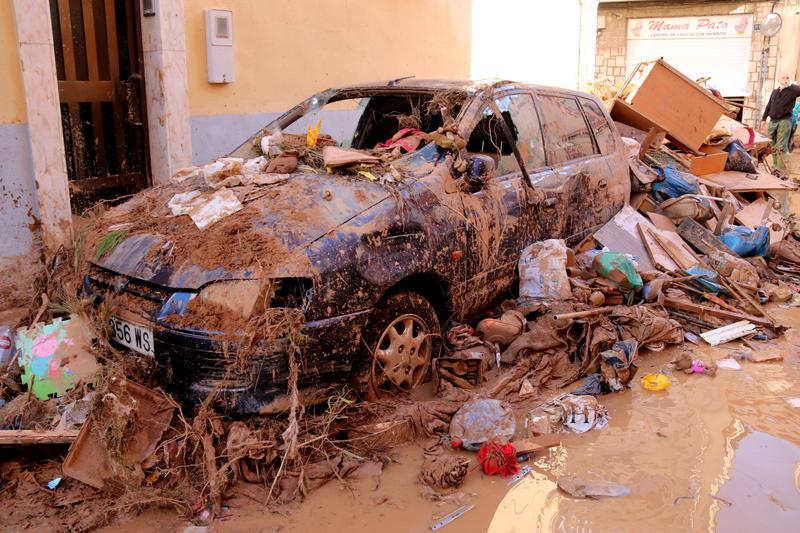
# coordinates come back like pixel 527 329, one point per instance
pixel 94 75
pixel 697 309
pixel 760 213
pixel 739 182
pixel 86 91
pixel 675 248
pixel 114 75
pixel 621 234
pixel 105 182
pixel 662 222
pixel 660 258
pixel 70 72
pixel 728 333
pixel 701 238
pixel 24 437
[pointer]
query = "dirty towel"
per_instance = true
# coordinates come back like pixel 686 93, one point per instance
pixel 408 139
pixel 216 174
pixel 282 164
pixel 442 469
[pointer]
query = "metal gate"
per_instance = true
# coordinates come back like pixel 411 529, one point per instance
pixel 100 86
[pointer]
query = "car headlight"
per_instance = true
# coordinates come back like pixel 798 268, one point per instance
pixel 243 297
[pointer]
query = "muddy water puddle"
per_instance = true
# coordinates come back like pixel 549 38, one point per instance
pixel 710 453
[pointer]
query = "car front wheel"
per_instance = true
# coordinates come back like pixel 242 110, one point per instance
pixel 402 339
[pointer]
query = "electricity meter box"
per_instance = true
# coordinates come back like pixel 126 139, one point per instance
pixel 219 46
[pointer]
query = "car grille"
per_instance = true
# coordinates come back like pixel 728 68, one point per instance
pixel 132 294
pixel 196 359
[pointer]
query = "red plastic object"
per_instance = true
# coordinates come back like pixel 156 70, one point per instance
pixel 498 459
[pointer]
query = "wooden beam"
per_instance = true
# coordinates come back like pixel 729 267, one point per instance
pixel 30 437
pixel 697 309
pixel 87 91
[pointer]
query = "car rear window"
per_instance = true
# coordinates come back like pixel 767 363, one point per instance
pixel 567 136
pixel 600 127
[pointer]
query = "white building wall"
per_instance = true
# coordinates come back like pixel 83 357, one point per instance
pixel 535 41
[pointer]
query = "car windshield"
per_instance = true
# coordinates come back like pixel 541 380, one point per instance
pixel 378 122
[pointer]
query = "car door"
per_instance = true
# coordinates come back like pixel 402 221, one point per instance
pixel 576 188
pixel 498 214
pixel 612 151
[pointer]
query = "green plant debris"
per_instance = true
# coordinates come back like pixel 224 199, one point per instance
pixel 108 242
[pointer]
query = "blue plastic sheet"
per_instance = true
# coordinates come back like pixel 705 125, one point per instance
pixel 746 242
pixel 708 278
pixel 674 184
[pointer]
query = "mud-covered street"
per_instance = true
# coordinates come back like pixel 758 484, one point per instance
pixel 368 283
pixel 710 453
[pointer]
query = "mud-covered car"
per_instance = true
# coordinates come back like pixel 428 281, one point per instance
pixel 375 256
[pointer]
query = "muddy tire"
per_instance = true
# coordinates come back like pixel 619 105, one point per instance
pixel 402 338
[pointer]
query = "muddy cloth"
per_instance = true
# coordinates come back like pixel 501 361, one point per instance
pixel 410 421
pixel 674 183
pixel 602 335
pixel 619 364
pixel 746 242
pixel 650 326
pixel 539 369
pixel 543 334
pixel 441 469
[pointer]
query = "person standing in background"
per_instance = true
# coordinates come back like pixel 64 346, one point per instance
pixel 779 110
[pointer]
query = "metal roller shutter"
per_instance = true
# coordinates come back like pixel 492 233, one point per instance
pixel 715 46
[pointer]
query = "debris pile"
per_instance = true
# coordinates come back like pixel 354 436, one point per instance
pixel 695 256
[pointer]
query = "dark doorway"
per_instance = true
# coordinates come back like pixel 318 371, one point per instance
pixel 100 86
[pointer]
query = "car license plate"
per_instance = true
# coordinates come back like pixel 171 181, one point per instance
pixel 135 337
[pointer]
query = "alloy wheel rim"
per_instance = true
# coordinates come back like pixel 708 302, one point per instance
pixel 402 354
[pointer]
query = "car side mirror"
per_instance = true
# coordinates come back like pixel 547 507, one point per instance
pixel 479 169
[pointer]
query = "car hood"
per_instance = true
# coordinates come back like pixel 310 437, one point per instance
pixel 290 215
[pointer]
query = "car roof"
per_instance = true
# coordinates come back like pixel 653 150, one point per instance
pixel 445 84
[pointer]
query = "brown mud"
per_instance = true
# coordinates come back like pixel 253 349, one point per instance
pixel 710 453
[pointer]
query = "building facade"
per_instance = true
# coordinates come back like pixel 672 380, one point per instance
pixel 717 39
pixel 101 98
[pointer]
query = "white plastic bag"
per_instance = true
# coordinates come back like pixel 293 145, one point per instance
pixel 543 270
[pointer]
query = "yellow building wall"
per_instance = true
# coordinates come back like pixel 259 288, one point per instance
pixel 12 97
pixel 286 50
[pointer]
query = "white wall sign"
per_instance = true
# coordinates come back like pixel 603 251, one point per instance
pixel 711 27
pixel 715 46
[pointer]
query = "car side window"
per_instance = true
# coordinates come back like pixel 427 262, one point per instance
pixel 566 131
pixel 520 116
pixel 600 126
